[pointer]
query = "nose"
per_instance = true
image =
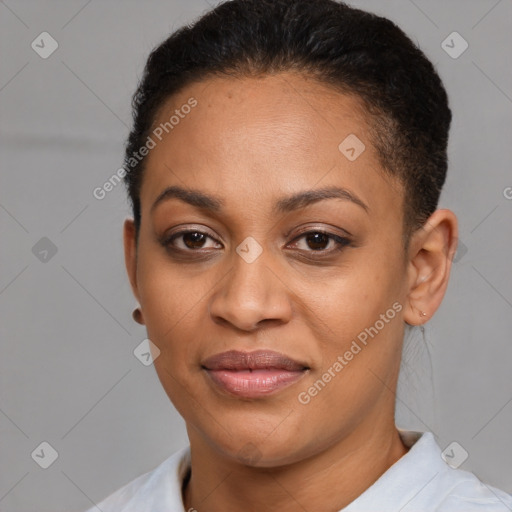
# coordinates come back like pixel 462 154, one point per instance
pixel 251 294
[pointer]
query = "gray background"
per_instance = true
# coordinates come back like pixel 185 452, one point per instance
pixel 68 375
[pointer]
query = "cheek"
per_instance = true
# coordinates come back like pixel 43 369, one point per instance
pixel 171 310
pixel 353 300
pixel 356 317
pixel 167 295
pixel 172 313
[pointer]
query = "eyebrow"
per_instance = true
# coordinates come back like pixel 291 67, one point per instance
pixel 284 205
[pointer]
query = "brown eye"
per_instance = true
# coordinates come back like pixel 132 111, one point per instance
pixel 190 241
pixel 194 239
pixel 317 240
pixel 320 241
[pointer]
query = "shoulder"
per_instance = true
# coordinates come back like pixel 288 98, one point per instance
pixel 462 490
pixel 157 490
pixel 450 489
pixel 423 481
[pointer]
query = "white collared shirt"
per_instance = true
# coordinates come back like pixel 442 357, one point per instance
pixel 420 481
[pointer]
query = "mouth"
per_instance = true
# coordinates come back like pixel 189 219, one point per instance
pixel 253 374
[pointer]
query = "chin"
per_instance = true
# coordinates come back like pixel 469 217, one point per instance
pixel 255 448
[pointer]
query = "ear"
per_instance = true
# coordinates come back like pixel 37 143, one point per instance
pixel 431 252
pixel 130 255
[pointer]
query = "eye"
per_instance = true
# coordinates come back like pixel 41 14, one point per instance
pixel 321 241
pixel 189 240
pixel 313 241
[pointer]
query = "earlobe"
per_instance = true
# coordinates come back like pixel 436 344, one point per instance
pixel 432 250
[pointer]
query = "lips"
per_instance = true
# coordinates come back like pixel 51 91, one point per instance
pixel 253 374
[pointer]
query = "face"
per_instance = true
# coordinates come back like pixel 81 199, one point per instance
pixel 279 244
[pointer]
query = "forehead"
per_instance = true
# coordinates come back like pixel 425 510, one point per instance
pixel 301 112
pixel 256 137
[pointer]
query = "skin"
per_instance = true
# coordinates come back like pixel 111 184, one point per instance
pixel 251 142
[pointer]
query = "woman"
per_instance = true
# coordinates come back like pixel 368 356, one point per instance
pixel 284 169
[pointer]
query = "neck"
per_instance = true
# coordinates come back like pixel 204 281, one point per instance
pixel 329 480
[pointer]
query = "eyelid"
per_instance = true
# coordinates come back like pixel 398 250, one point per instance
pixel 322 229
pixel 188 228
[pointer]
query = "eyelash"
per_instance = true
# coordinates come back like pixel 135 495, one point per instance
pixel 340 241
